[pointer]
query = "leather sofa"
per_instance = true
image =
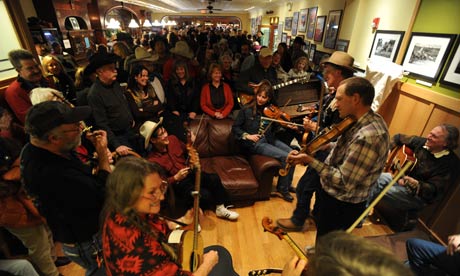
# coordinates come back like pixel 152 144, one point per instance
pixel 246 178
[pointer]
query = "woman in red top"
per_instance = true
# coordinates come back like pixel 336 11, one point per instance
pixel 135 237
pixel 216 96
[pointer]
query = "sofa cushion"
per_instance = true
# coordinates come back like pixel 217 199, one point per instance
pixel 214 137
pixel 235 173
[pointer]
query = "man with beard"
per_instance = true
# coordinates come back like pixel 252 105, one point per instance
pixel 68 195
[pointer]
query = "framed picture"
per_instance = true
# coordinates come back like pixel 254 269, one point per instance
pixel 342 45
pixel 319 56
pixel 306 46
pixel 319 29
pixel 295 20
pixel 386 45
pixel 311 22
pixel 288 41
pixel 284 37
pixel 426 54
pixel 451 74
pixel 332 28
pixel 74 23
pixel 302 20
pixel 311 52
pixel 287 23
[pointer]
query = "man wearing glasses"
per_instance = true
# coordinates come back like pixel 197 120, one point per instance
pixel 68 195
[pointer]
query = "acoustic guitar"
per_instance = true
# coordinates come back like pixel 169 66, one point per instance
pixel 190 242
pixel 398 157
pixel 244 98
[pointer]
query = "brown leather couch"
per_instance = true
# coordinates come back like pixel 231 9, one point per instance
pixel 246 178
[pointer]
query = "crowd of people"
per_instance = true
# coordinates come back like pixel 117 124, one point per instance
pixel 138 99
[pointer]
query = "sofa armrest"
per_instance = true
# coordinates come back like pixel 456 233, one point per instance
pixel 264 168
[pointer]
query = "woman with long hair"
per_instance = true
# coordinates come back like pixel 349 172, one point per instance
pixel 55 73
pixel 216 96
pixel 135 237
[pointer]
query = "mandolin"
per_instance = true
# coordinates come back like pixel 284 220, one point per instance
pixel 191 242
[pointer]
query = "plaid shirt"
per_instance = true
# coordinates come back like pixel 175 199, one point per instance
pixel 356 160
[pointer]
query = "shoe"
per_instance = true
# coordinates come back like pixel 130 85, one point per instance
pixel 310 251
pixel 288 226
pixel 292 189
pixel 286 196
pixel 223 212
pixel 61 261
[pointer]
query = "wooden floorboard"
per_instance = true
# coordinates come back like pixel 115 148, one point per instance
pixel 250 246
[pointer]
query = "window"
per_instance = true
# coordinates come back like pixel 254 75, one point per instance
pixel 7 30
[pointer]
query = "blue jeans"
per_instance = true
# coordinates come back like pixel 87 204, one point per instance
pixel 279 151
pixel 397 195
pixel 84 254
pixel 428 258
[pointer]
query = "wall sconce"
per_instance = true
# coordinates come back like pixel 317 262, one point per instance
pixel 274 20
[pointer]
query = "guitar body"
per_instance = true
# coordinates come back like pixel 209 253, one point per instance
pixel 189 256
pixel 397 158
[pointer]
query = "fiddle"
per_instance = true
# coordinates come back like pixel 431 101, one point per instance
pixel 274 112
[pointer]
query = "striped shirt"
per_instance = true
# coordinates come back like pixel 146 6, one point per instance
pixel 356 160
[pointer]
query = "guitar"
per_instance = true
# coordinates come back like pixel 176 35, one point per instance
pixel 244 98
pixel 397 158
pixel 191 242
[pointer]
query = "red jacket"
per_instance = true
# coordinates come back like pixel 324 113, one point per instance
pixel 206 103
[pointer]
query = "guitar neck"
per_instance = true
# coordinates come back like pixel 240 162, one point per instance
pixel 295 247
pixel 283 84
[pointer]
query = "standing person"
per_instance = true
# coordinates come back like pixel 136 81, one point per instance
pixel 429 258
pixel 171 154
pixel 135 237
pixel 216 96
pixel 354 162
pixel 68 195
pixel 258 137
pixel 336 69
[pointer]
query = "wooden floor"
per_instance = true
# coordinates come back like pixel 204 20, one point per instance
pixel 250 246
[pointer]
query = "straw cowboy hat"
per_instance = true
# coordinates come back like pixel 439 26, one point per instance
pixel 341 59
pixel 147 129
pixel 143 55
pixel 182 49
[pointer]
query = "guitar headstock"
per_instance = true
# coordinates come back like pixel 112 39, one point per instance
pixel 268 227
pixel 305 79
pixel 194 158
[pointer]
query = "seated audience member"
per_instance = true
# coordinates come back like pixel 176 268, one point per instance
pixel 342 254
pixel 429 258
pixel 281 75
pixel 68 195
pixel 17 268
pixel 122 51
pixel 55 73
pixel 171 154
pixel 68 62
pixel 258 137
pixel 436 168
pixel 286 61
pixel 181 52
pixel 110 108
pixel 216 96
pixel 228 74
pixel 135 237
pixel 300 69
pixel 30 76
pixel 83 82
pixel 18 214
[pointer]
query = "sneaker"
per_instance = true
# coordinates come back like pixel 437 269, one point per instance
pixel 309 250
pixel 223 212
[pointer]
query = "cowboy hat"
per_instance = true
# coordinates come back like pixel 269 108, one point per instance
pixel 147 129
pixel 341 59
pixel 299 40
pixel 143 55
pixel 98 60
pixel 182 49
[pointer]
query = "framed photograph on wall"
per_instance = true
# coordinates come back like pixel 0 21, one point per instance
pixel 284 37
pixel 451 74
pixel 311 22
pixel 319 29
pixel 426 54
pixel 295 20
pixel 302 20
pixel 332 28
pixel 74 23
pixel 386 45
pixel 311 52
pixel 287 23
pixel 342 45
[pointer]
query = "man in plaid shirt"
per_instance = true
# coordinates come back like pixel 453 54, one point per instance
pixel 354 162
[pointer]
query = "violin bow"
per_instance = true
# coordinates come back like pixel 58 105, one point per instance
pixel 197 131
pixel 321 98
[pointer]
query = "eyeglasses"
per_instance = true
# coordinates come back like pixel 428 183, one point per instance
pixel 79 129
pixel 161 191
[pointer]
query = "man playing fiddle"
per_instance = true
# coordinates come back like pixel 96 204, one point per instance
pixel 354 162
pixel 337 68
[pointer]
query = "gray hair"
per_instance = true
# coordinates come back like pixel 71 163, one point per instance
pixel 15 57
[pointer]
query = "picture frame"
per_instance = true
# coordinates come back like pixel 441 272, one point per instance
pixel 295 21
pixel 318 56
pixel 332 28
pixel 302 21
pixel 284 37
pixel 311 52
pixel 287 23
pixel 74 22
pixel 342 45
pixel 311 23
pixel 319 28
pixel 426 54
pixel 451 74
pixel 386 45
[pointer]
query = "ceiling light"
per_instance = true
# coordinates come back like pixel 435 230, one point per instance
pixel 113 24
pixel 147 23
pixel 133 24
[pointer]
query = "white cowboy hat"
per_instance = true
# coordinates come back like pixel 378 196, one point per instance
pixel 182 49
pixel 147 129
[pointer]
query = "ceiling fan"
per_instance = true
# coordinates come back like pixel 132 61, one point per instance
pixel 209 8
